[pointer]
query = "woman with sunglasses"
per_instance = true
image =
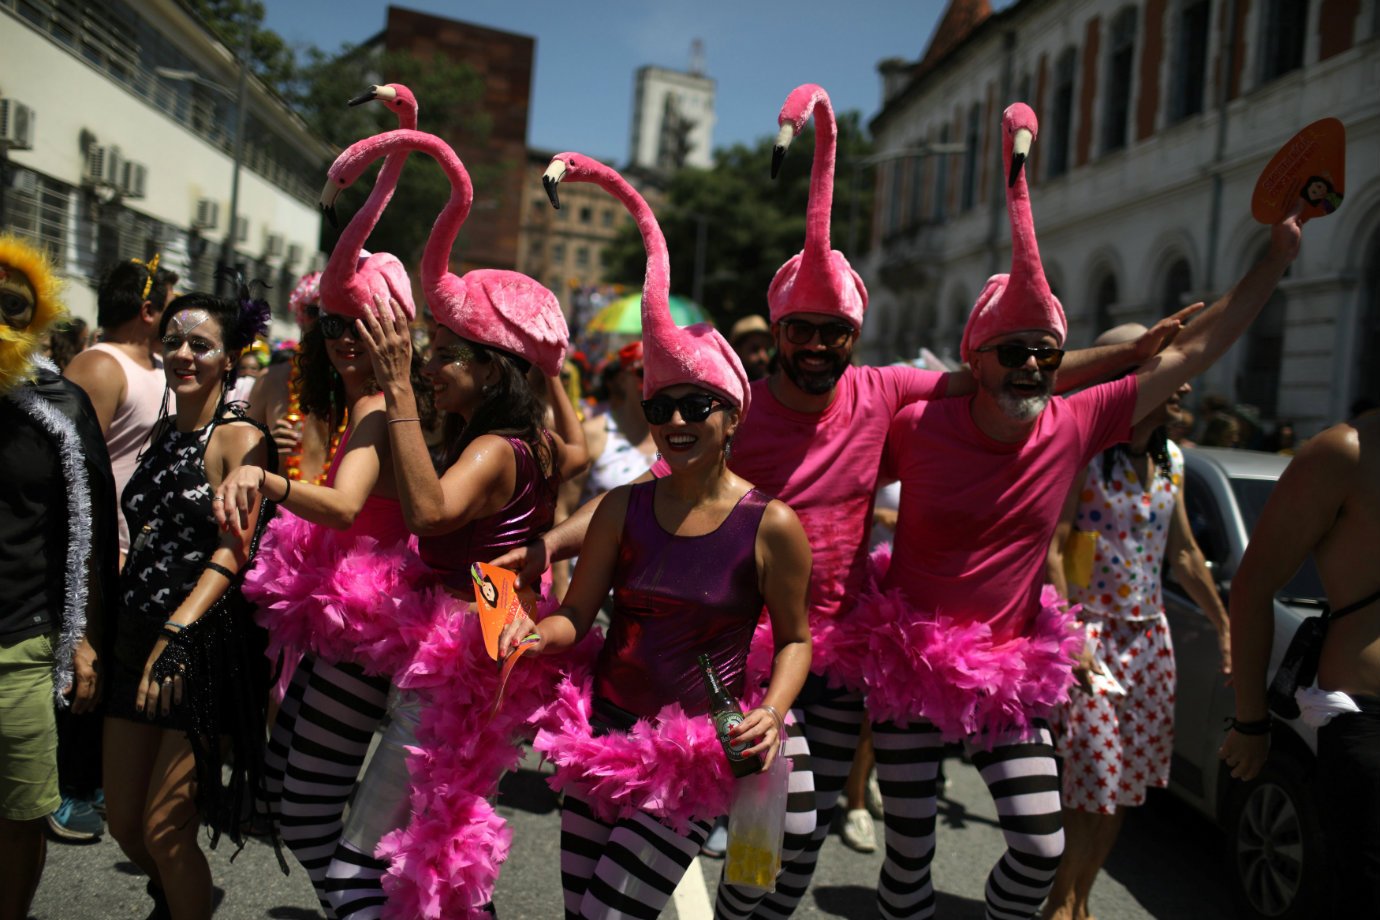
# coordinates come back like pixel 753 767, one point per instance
pixel 326 585
pixel 692 559
pixel 184 672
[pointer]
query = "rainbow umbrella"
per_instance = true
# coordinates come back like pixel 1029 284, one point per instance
pixel 624 315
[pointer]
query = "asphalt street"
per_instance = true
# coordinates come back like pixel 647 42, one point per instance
pixel 1169 863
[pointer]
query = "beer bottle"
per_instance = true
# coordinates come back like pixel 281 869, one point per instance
pixel 725 713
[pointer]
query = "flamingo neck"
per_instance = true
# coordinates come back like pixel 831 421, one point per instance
pixel 1026 270
pixel 821 205
pixel 656 284
pixel 357 232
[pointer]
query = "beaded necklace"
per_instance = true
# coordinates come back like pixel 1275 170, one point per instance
pixel 293 464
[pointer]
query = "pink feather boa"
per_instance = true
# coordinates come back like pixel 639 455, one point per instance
pixel 914 664
pixel 446 861
pixel 673 769
pixel 341 598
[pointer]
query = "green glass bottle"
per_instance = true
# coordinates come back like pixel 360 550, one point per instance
pixel 725 713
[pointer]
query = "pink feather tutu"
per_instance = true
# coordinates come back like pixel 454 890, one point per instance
pixel 913 664
pixel 340 597
pixel 446 861
pixel 672 768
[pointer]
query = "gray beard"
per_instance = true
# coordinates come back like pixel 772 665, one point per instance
pixel 1022 410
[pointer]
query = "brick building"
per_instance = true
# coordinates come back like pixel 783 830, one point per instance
pixel 1156 117
pixel 503 60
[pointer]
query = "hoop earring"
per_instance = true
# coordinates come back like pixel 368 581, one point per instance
pixel 728 447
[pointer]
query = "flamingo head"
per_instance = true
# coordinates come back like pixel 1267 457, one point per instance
pixel 574 166
pixel 394 95
pixel 799 106
pixel 1019 128
pixel 347 168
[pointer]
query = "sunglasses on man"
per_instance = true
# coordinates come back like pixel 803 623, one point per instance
pixel 334 326
pixel 1014 354
pixel 695 407
pixel 802 332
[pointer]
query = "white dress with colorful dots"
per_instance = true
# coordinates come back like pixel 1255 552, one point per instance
pixel 1114 748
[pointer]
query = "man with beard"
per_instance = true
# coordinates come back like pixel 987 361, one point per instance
pixel 962 644
pixel 57 563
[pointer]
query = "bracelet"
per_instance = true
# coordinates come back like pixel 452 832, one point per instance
pixel 780 722
pixel 287 490
pixel 217 567
pixel 173 624
pixel 172 635
pixel 409 418
pixel 1259 727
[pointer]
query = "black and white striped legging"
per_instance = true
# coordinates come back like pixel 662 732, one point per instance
pixel 1020 774
pixel 318 743
pixel 627 869
pixel 831 720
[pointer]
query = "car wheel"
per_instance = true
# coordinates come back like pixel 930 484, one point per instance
pixel 1276 848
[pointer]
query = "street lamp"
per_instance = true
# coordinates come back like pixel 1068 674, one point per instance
pixel 190 76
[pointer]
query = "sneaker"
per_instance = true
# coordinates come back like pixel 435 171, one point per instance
pixel 872 798
pixel 858 832
pixel 98 802
pixel 75 821
pixel 717 843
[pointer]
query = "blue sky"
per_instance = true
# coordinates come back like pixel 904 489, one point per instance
pixel 587 54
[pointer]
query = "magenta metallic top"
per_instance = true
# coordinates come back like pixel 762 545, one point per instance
pixel 528 514
pixel 675 598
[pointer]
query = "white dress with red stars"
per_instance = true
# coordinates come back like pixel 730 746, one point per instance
pixel 1114 748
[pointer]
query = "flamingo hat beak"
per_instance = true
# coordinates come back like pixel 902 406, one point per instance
pixel 329 194
pixel 370 94
pixel 1020 149
pixel 783 143
pixel 551 179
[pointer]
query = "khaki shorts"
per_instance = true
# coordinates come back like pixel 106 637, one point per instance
pixel 28 730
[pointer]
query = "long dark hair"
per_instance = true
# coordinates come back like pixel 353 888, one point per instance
pixel 1157 448
pixel 322 391
pixel 510 410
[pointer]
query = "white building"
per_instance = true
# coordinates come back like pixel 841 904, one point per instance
pixel 1141 179
pixel 673 120
pixel 106 159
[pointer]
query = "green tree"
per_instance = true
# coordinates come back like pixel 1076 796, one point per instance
pixel 270 58
pixel 753 224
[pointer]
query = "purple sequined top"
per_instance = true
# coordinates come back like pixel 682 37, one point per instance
pixel 675 598
pixel 529 513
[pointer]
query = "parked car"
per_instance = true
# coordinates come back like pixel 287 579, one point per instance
pixel 1278 864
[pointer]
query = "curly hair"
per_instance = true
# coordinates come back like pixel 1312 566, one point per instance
pixel 511 410
pixel 322 391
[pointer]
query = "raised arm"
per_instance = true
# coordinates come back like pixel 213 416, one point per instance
pixel 1205 339
pixel 572 454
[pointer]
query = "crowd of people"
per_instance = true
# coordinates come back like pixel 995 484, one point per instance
pixel 223 574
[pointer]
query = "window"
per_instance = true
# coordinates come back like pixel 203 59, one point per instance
pixel 586 215
pixel 1106 297
pixel 39 209
pixel 941 179
pixel 1061 107
pixel 1116 112
pixel 582 257
pixel 1258 382
pixel 892 217
pixel 970 158
pixel 1284 27
pixel 607 217
pixel 1190 72
pixel 558 253
pixel 1178 281
pixel 534 248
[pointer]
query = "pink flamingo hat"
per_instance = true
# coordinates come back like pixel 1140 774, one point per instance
pixel 671 355
pixel 817 279
pixel 306 293
pixel 1020 301
pixel 354 277
pixel 500 309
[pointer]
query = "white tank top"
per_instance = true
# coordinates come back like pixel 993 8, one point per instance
pixel 619 463
pixel 145 393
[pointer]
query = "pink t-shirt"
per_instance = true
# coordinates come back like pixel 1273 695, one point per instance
pixel 977 515
pixel 825 466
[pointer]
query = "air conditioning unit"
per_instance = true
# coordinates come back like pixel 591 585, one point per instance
pixel 207 214
pixel 104 166
pixel 134 183
pixel 318 262
pixel 241 229
pixel 294 254
pixel 274 247
pixel 16 125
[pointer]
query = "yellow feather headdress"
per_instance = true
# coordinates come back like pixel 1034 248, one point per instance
pixel 18 347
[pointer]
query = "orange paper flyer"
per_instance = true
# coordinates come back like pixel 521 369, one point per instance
pixel 495 591
pixel 1311 167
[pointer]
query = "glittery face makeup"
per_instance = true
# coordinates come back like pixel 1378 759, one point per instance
pixel 181 330
pixel 462 355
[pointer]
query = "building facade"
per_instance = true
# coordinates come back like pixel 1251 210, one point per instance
pixel 673 120
pixel 1156 117
pixel 118 122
